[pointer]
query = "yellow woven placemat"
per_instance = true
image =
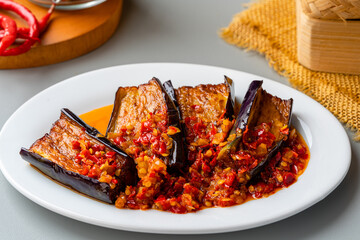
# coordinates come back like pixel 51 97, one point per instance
pixel 269 27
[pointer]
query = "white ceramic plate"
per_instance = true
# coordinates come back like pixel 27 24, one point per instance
pixel 328 164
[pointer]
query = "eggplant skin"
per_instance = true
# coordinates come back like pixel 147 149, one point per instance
pixel 230 103
pixel 81 183
pixel 63 170
pixel 246 111
pixel 178 156
pixel 170 90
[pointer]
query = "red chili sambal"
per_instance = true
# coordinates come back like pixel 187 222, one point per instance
pixel 209 184
pixel 205 182
pixel 284 168
pixel 150 143
pixel 140 126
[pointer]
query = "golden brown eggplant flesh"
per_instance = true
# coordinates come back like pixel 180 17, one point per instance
pixel 74 154
pixel 210 106
pixel 141 119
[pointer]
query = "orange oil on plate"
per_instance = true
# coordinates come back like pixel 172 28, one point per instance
pixel 98 118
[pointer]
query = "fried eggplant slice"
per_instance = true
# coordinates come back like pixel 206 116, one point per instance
pixel 74 154
pixel 207 112
pixel 260 128
pixel 145 119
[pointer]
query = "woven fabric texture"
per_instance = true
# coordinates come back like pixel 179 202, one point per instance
pixel 269 27
pixel 332 9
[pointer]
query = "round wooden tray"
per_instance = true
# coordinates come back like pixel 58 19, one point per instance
pixel 69 34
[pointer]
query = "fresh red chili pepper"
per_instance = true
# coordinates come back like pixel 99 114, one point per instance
pixel 22 33
pixel 31 20
pixel 42 23
pixel 10 30
pixel 20 36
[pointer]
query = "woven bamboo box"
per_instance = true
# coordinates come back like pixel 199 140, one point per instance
pixel 326 41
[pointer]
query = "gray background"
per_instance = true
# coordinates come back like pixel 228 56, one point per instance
pixel 165 31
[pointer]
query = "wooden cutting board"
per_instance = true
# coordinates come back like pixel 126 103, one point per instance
pixel 69 34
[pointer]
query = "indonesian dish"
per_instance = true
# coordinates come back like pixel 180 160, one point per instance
pixel 178 150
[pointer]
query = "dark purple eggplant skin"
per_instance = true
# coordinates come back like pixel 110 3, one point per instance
pixel 128 163
pixel 255 171
pixel 247 118
pixel 178 155
pixel 180 139
pixel 84 184
pixel 249 101
pixel 170 90
pixel 81 183
pixel 230 104
pixel 242 118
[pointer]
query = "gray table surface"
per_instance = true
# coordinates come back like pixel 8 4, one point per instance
pixel 165 31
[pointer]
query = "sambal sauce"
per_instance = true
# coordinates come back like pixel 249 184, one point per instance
pixel 204 182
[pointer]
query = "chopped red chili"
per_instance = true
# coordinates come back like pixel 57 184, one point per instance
pixel 207 183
